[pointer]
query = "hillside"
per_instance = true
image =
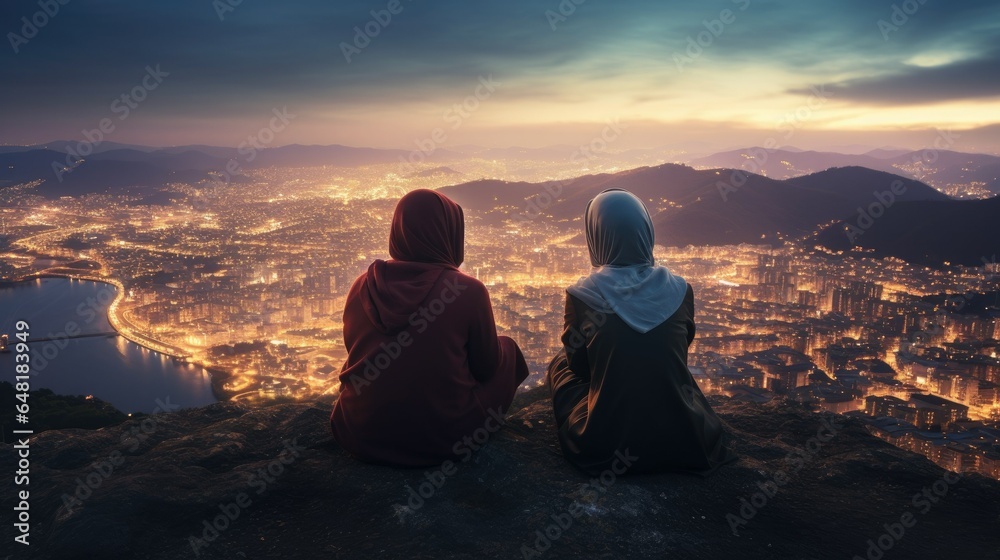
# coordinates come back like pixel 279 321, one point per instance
pixel 950 167
pixel 675 182
pixel 52 412
pixel 134 173
pixel 940 168
pixel 116 166
pixel 929 233
pixel 784 163
pixel 704 207
pixel 192 466
pixel 767 210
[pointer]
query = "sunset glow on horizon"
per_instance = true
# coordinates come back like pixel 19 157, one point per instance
pixel 694 76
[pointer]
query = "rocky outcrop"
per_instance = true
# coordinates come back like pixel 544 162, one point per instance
pixel 227 481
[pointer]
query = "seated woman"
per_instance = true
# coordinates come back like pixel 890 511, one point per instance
pixel 425 367
pixel 622 393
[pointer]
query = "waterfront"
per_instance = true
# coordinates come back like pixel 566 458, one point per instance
pixel 109 367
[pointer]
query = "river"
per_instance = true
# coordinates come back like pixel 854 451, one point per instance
pixel 111 368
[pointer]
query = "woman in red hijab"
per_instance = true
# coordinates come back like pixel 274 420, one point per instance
pixel 425 371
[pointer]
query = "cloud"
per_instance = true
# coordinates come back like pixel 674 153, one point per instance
pixel 267 54
pixel 973 78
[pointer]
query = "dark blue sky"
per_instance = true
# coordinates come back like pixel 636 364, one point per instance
pixel 558 74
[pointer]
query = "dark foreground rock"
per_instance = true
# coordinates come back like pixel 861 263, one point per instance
pixel 515 498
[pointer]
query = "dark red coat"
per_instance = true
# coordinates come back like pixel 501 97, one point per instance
pixel 425 366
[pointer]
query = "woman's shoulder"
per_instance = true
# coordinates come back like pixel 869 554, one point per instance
pixel 358 283
pixel 462 282
pixel 679 280
pixel 581 308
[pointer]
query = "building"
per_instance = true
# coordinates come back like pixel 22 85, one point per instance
pixel 934 411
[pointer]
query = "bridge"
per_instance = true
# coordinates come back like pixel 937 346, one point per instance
pixel 87 335
pixel 121 323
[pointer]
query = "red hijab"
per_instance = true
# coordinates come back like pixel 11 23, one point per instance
pixel 427 238
pixel 428 227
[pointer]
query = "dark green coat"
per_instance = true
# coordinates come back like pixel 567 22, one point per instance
pixel 620 393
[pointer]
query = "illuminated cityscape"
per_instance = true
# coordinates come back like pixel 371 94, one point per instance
pixel 197 200
pixel 249 280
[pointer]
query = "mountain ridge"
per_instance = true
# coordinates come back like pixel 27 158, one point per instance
pixel 938 167
pixel 704 207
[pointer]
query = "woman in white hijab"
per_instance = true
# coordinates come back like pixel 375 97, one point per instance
pixel 623 396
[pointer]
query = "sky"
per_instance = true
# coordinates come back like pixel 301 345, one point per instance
pixel 685 75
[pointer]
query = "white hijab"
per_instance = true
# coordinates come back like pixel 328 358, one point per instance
pixel 626 281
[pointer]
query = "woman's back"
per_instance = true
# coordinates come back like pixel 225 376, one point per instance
pixel 425 367
pixel 387 408
pixel 621 387
pixel 641 398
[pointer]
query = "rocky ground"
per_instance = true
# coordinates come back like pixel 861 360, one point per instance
pixel 226 481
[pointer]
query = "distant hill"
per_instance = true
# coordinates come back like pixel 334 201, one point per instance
pixel 175 161
pixel 113 166
pixel 942 169
pixel 297 155
pixel 93 175
pixel 858 184
pixel 938 168
pixel 214 158
pixel 675 182
pixel 886 153
pixel 768 210
pixel 436 172
pixel 63 145
pixel 698 207
pixel 954 168
pixel 784 163
pixel 557 153
pixel 928 233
